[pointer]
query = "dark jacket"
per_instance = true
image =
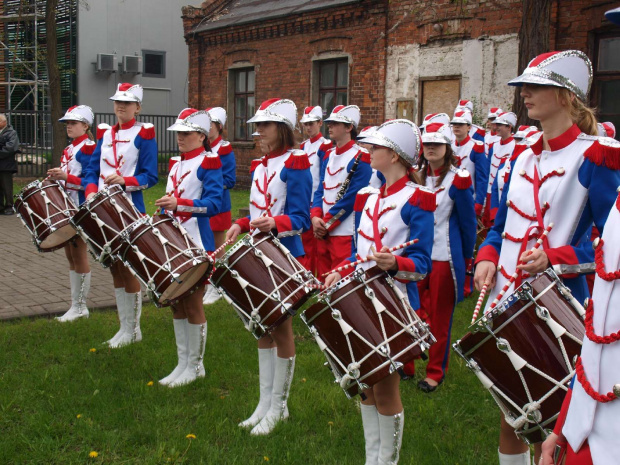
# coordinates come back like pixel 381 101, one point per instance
pixel 9 146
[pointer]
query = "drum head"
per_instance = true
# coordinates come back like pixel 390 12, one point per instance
pixel 187 282
pixel 59 237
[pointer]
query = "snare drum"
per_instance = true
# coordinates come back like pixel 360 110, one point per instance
pixel 102 219
pixel 524 350
pixel 366 329
pixel 263 282
pixel 161 254
pixel 45 209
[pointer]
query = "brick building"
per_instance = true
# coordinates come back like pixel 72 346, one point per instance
pixel 392 58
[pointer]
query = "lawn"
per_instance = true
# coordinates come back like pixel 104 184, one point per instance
pixel 63 396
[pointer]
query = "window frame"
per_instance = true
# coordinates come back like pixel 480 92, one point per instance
pixel 233 94
pixel 335 88
pixel 602 76
pixel 157 53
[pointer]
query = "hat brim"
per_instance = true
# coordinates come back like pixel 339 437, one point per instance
pixel 532 79
pixel 374 140
pixel 434 138
pixel 460 121
pixel 338 120
pixel 79 120
pixel 267 119
pixel 309 119
pixel 123 98
pixel 180 127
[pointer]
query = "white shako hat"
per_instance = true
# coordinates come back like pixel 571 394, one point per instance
pixel 82 113
pixel 525 131
pixel 465 105
pixel 190 120
pixel 400 135
pixel 606 129
pixel 349 114
pixel 365 132
pixel 613 15
pixel 570 69
pixel 436 133
pixel 494 112
pixel 442 118
pixel 461 117
pixel 277 110
pixel 217 115
pixel 312 114
pixel 126 92
pixel 508 118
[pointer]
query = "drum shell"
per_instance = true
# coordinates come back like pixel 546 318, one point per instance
pixel 532 340
pixel 359 312
pixel 59 231
pixel 191 267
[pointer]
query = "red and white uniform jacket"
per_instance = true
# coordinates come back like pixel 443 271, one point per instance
pixel 74 161
pixel 316 148
pixel 471 157
pixel 500 152
pixel 337 165
pixel 489 139
pixel 572 185
pixel 229 169
pixel 196 181
pixel 588 417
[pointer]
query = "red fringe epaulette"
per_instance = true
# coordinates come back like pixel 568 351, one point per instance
pixel 424 199
pixel 225 149
pixel 518 150
pixel 360 201
pixel 147 131
pixel 481 132
pixel 478 147
pixel 255 164
pixel 297 161
pixel 211 163
pixel 326 146
pixel 88 148
pixel 365 156
pixel 602 154
pixel 462 180
pixel 101 129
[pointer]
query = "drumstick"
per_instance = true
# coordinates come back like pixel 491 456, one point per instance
pixel 221 247
pixel 518 272
pixel 365 259
pixel 483 293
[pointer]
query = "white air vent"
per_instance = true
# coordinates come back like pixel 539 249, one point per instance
pixel 106 62
pixel 132 64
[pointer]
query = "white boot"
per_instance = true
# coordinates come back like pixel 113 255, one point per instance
pixel 196 340
pixel 132 310
pixel 211 295
pixel 266 369
pixel 514 459
pixel 278 410
pixel 180 335
pixel 80 285
pixel 370 420
pixel 391 434
pixel 119 292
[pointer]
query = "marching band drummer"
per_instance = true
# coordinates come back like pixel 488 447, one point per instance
pixel 194 196
pixel 400 211
pixel 567 176
pixel 78 120
pixel 279 200
pixel 126 154
pixel 222 221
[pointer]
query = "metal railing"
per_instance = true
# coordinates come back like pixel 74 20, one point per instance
pixel 35 137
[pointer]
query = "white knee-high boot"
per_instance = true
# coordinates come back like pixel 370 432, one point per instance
pixel 196 341
pixel 514 459
pixel 119 293
pixel 266 369
pixel 132 310
pixel 370 420
pixel 80 285
pixel 278 410
pixel 391 434
pixel 180 335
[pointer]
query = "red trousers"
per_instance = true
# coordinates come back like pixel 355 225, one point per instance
pixel 437 302
pixel 331 251
pixel 309 242
pixel 583 457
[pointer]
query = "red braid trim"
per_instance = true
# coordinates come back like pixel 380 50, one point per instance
pixel 614 337
pixel 423 199
pixel 603 155
pixel 581 376
pixel 600 265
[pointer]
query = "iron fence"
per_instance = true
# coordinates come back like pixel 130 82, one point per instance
pixel 34 130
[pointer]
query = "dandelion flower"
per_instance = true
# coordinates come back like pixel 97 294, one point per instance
pixel 191 436
pixel 266 459
pixel 150 383
pixel 79 415
pixel 303 380
pixel 330 423
pixel 93 350
pixel 222 397
pixel 93 454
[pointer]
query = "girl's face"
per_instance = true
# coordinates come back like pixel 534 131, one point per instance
pixel 312 128
pixel 188 141
pixel 76 129
pixel 382 158
pixel 434 153
pixel 541 101
pixel 268 135
pixel 460 130
pixel 126 111
pixel 214 132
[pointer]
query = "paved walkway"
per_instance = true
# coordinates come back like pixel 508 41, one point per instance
pixel 35 284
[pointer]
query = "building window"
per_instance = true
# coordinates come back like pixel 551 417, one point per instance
pixel 606 89
pixel 243 82
pixel 438 95
pixel 154 64
pixel 333 84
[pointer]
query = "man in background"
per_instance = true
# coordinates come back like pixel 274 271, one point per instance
pixel 9 146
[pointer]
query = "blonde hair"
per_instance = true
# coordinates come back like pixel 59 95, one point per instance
pixel 580 113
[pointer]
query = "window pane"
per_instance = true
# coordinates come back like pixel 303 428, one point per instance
pixel 343 74
pixel 341 98
pixel 328 74
pixel 251 81
pixel 240 107
pixel 609 98
pixel 251 109
pixel 153 63
pixel 327 101
pixel 609 54
pixel 240 81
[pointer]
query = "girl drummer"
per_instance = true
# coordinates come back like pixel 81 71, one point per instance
pixel 453 246
pixel 78 120
pixel 194 195
pixel 567 176
pixel 279 200
pixel 126 154
pixel 400 211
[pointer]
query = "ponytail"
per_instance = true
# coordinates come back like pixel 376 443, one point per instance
pixel 582 115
